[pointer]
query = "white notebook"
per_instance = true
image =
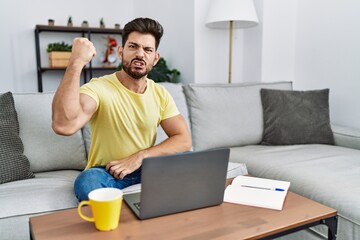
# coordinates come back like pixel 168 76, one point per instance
pixel 257 192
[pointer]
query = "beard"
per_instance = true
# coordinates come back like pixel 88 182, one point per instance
pixel 135 73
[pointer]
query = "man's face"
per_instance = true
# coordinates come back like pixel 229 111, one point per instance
pixel 138 55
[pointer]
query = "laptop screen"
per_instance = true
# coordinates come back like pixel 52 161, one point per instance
pixel 181 182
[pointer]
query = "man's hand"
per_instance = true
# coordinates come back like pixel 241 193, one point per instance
pixel 179 141
pixel 82 51
pixel 120 168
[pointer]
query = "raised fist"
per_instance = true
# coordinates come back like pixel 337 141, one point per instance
pixel 82 51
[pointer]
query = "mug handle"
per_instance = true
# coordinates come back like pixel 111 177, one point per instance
pixel 86 218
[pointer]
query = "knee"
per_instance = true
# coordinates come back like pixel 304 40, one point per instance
pixel 89 180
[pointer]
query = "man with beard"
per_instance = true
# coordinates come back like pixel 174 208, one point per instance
pixel 124 110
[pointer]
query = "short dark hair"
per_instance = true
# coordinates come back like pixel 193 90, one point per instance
pixel 143 25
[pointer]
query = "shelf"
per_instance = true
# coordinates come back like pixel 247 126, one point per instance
pixel 64 29
pixel 47 28
pixel 44 69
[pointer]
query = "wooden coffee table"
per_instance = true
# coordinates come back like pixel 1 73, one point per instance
pixel 226 221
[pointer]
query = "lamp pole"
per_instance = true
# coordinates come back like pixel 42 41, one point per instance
pixel 231 14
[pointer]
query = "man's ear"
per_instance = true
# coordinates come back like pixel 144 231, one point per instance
pixel 157 58
pixel 120 52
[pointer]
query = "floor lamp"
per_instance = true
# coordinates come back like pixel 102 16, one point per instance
pixel 231 14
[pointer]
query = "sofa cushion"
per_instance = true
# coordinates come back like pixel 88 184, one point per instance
pixel 46 150
pixel 346 136
pixel 236 106
pixel 14 165
pixel 48 191
pixel 296 117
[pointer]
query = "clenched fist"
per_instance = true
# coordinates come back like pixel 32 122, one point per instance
pixel 82 51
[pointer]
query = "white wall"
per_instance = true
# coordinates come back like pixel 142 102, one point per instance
pixel 328 54
pixel 278 40
pixel 315 44
pixel 18 20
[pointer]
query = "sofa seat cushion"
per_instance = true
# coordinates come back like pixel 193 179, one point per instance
pixel 328 174
pixel 48 191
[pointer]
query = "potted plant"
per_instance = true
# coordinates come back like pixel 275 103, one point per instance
pixel 84 24
pixel 59 54
pixel 102 23
pixel 161 72
pixel 51 22
pixel 69 22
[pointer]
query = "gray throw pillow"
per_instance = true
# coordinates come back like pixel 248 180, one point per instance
pixel 14 165
pixel 296 117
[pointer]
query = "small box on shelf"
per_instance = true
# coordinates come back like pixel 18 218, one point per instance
pixel 59 59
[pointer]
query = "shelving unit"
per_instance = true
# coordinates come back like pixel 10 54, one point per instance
pixel 84 31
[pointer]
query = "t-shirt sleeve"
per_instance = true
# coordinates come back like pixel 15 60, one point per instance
pixel 89 89
pixel 170 108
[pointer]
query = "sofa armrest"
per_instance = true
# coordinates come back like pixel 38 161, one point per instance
pixel 346 136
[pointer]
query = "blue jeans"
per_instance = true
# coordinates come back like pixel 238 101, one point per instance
pixel 97 177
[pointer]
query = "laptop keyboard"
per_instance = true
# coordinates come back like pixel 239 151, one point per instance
pixel 137 205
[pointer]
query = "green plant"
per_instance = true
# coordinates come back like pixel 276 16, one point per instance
pixel 102 23
pixel 69 20
pixel 59 47
pixel 161 72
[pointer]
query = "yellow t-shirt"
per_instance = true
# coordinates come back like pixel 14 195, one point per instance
pixel 124 122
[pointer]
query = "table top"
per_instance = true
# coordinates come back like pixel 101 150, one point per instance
pixel 225 221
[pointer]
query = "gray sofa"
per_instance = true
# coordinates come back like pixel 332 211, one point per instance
pixel 219 116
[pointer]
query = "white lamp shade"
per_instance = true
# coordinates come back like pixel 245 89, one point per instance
pixel 241 12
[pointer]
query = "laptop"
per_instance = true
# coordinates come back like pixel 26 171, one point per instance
pixel 180 182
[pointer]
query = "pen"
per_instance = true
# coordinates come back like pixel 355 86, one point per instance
pixel 264 188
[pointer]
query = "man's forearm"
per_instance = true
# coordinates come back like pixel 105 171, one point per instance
pixel 179 138
pixel 172 145
pixel 120 168
pixel 67 95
